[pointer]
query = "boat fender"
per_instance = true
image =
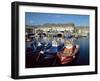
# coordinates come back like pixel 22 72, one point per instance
pixel 74 56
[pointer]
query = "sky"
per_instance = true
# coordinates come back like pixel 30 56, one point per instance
pixel 32 18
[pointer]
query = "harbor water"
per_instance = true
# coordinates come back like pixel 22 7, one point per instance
pixel 83 55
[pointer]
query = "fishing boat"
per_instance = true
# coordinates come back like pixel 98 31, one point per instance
pixel 68 58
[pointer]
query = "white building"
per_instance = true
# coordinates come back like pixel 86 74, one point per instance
pixel 52 27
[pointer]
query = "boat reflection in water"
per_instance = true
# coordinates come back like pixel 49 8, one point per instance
pixel 42 51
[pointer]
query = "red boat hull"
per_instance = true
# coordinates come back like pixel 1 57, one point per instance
pixel 66 59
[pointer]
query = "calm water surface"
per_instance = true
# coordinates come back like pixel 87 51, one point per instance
pixel 83 55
